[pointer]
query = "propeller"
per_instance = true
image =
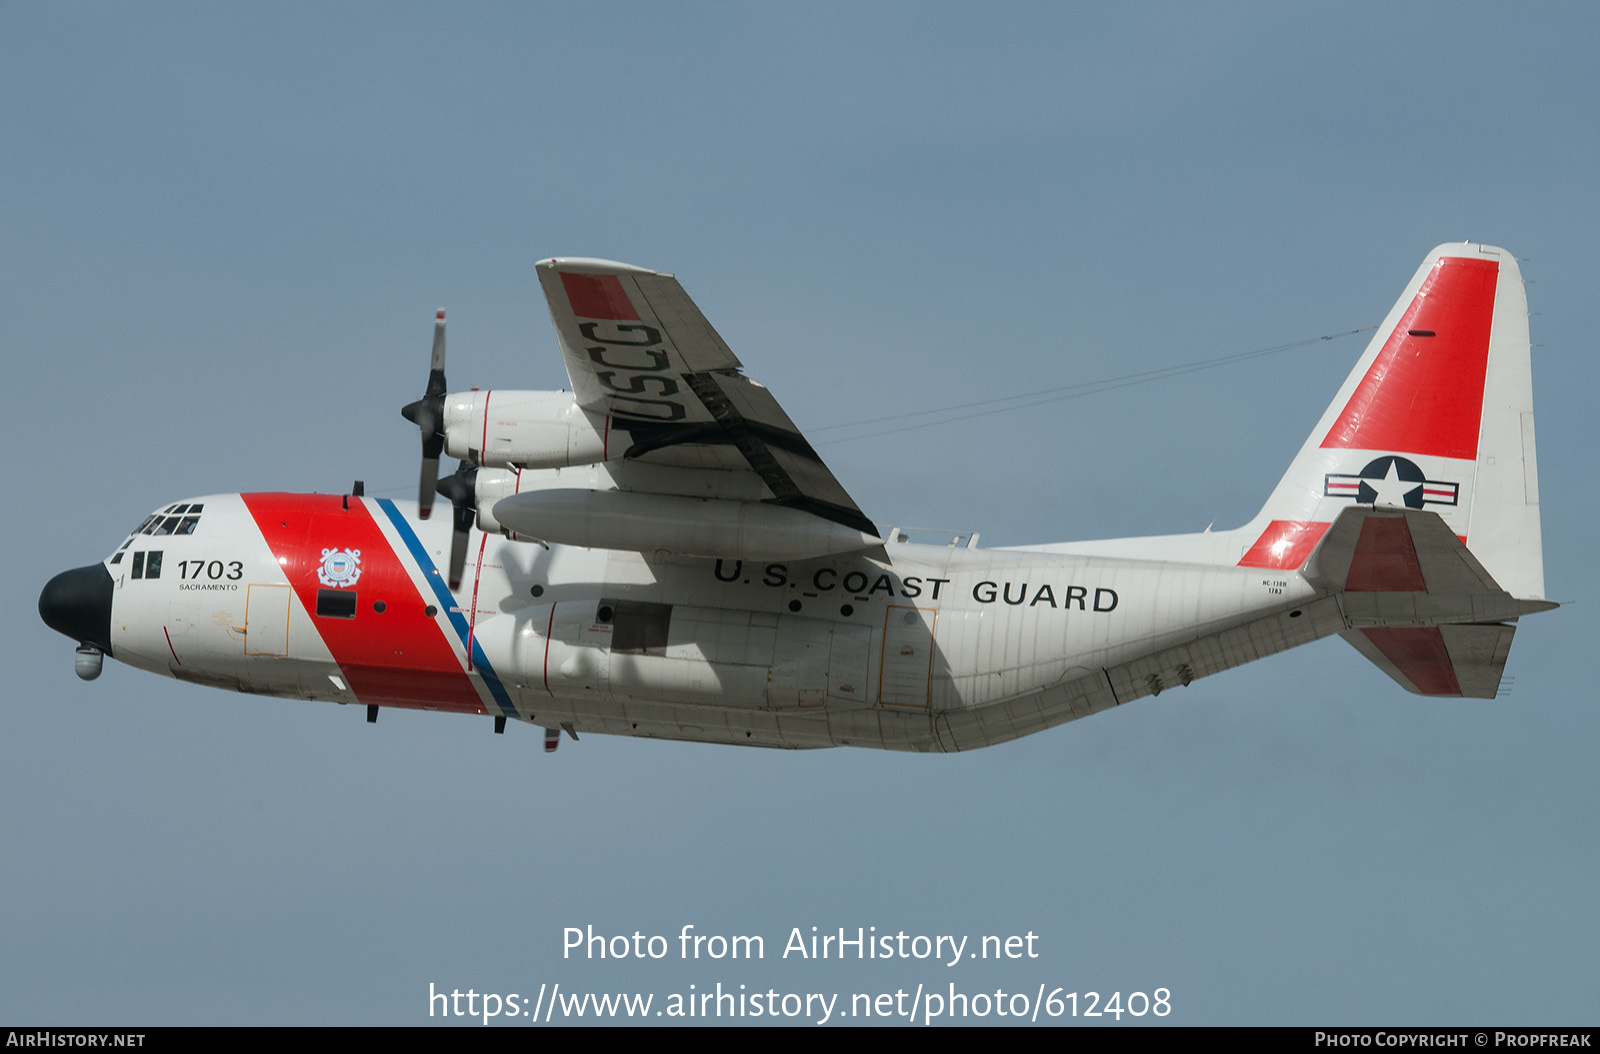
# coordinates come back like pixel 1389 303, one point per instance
pixel 461 488
pixel 427 413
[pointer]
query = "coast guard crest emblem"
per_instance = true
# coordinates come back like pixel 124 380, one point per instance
pixel 340 567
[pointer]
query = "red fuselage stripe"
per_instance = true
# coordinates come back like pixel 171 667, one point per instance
pixel 400 656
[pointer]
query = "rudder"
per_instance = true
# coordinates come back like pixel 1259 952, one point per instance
pixel 1436 415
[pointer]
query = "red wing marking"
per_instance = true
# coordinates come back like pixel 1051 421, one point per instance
pixel 598 296
pixel 399 657
pixel 1420 655
pixel 1424 394
pixel 1385 560
pixel 1284 544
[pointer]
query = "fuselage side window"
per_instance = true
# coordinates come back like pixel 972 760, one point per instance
pixel 638 627
pixel 336 603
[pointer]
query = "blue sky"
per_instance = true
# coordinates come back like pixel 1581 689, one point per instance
pixel 225 231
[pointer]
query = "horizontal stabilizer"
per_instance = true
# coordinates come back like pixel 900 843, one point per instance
pixel 1417 602
pixel 1392 551
pixel 1465 661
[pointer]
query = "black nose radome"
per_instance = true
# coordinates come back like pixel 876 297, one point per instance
pixel 78 604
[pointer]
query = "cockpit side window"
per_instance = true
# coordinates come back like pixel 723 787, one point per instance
pixel 147 565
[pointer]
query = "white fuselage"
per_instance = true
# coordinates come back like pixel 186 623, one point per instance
pixel 341 598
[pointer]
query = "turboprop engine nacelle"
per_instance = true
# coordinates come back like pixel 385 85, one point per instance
pixel 489 485
pixel 498 428
pixel 667 523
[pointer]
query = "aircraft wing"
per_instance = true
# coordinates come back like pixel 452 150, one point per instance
pixel 640 353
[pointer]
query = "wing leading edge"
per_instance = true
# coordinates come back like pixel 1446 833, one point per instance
pixel 639 352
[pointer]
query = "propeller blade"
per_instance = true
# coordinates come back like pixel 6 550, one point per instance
pixel 427 413
pixel 461 488
pixel 458 544
pixel 436 364
pixel 427 485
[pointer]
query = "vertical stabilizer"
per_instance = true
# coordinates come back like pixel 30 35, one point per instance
pixel 1437 415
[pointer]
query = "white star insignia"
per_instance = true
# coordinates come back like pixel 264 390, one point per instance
pixel 1391 489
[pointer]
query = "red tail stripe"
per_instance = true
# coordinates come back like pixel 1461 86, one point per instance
pixel 1285 544
pixel 1424 394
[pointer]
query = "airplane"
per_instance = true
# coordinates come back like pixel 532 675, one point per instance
pixel 659 552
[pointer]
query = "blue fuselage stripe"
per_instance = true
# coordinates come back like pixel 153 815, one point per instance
pixel 447 604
